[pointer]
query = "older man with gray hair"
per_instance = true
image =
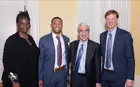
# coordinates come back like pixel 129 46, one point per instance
pixel 85 59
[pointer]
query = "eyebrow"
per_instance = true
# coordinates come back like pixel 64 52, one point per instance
pixel 85 30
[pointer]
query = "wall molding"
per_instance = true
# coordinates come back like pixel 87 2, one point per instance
pixel 137 81
pixel 33 8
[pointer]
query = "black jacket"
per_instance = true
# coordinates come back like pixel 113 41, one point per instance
pixel 93 61
pixel 21 58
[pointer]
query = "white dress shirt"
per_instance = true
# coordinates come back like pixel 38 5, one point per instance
pixel 55 40
pixel 83 59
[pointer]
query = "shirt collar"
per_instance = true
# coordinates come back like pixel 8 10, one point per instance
pixel 85 43
pixel 54 35
pixel 113 32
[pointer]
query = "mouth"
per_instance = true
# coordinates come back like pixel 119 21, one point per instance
pixel 84 36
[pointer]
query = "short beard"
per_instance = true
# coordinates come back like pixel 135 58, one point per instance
pixel 59 32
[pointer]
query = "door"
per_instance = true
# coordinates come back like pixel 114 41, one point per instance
pixel 8 12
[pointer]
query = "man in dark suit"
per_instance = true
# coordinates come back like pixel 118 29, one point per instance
pixel 118 64
pixel 53 65
pixel 85 60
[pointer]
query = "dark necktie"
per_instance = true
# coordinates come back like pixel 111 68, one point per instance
pixel 108 55
pixel 59 52
pixel 77 63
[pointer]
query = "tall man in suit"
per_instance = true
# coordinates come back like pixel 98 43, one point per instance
pixel 53 56
pixel 85 60
pixel 117 52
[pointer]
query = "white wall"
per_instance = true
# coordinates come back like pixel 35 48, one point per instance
pixel 93 11
pixel 9 11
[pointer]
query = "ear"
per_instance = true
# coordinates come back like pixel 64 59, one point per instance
pixel 17 26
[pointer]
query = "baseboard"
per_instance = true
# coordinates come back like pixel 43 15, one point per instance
pixel 137 81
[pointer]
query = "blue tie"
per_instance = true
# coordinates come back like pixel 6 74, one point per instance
pixel 77 63
pixel 108 54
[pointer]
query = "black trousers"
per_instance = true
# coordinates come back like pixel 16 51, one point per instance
pixel 79 80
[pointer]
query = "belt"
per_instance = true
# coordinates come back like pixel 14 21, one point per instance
pixel 58 69
pixel 108 70
pixel 81 74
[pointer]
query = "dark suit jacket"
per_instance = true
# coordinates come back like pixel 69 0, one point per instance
pixel 122 56
pixel 92 66
pixel 47 57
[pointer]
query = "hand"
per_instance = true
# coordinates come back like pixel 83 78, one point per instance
pixel 129 83
pixel 16 84
pixel 68 82
pixel 98 85
pixel 40 83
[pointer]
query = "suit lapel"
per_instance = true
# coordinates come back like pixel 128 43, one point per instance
pixel 115 47
pixel 88 53
pixel 75 51
pixel 52 45
pixel 104 43
pixel 66 49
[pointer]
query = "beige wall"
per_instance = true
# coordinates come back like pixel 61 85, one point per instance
pixel 135 31
pixel 66 9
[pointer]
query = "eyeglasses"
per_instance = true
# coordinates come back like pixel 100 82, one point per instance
pixel 84 31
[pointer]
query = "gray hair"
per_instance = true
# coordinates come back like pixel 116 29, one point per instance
pixel 83 24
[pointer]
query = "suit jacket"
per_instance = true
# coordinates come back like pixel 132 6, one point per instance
pixel 122 55
pixel 47 57
pixel 92 66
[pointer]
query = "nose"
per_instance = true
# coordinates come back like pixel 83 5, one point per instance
pixel 84 33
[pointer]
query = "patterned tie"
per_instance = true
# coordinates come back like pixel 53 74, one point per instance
pixel 108 55
pixel 77 63
pixel 59 52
